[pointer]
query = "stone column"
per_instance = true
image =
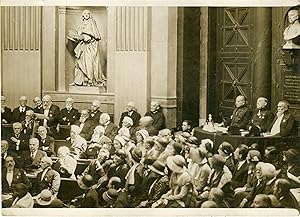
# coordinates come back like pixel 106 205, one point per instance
pixel 131 62
pixel 61 80
pixel 48 48
pixel 262 54
pixel 164 60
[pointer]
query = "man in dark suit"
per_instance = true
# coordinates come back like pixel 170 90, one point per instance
pixel 31 159
pixel 6 116
pixel 30 124
pixel 262 117
pixel 159 120
pixel 132 113
pixel 95 111
pixel 85 124
pixel 111 129
pixel 240 172
pixel 47 143
pixel 47 178
pixel 69 114
pixel 5 112
pixel 18 141
pixel 38 105
pixel 12 176
pixel 5 152
pixel 241 115
pixel 19 112
pixel 90 198
pixel 52 116
pixel 284 123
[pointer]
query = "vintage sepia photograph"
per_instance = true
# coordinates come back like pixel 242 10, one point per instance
pixel 150 107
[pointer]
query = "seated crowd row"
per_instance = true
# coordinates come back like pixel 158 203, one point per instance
pixel 143 166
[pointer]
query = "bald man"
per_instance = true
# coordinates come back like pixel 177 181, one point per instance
pixel 241 114
pixel 69 114
pixel 111 129
pixel 262 117
pixel 159 120
pixel 132 113
pixel 19 112
pixel 38 105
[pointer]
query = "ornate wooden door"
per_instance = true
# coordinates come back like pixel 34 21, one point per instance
pixel 234 56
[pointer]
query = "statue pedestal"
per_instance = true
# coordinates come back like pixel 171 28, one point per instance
pixel 87 89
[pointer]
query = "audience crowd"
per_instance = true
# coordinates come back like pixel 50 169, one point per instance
pixel 140 162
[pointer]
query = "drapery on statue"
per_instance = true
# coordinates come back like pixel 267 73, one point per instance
pixel 292 33
pixel 88 71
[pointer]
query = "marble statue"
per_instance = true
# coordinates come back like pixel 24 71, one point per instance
pixel 88 71
pixel 292 33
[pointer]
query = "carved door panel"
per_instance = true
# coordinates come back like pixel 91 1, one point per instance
pixel 234 56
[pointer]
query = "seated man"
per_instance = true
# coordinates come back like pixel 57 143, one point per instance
pixel 22 198
pixel 261 201
pixel 11 176
pixel 85 124
pixel 132 113
pixel 284 123
pixel 146 123
pixel 261 118
pixel 29 124
pixel 159 120
pixel 95 112
pixel 18 114
pixel 78 144
pixel 241 114
pixel 47 178
pixel 69 114
pixel 66 164
pixel 5 152
pixel 52 116
pixel 6 117
pixel 111 129
pixel 38 105
pixel 5 112
pixel 18 141
pixel 46 142
pixel 31 159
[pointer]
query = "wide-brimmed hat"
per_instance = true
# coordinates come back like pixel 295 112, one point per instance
pixel 120 139
pixel 136 154
pixel 44 198
pixel 85 182
pixel 291 154
pixel 144 133
pixel 157 167
pixel 110 195
pixel 176 163
pixel 56 203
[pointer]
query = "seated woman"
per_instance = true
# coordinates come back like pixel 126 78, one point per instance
pixel 65 164
pixel 180 183
pixel 198 167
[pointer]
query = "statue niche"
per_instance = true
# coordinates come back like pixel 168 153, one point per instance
pixel 85 46
pixel 291 36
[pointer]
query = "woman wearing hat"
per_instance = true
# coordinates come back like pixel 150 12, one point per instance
pixel 156 184
pixel 110 197
pixel 180 183
pixel 220 175
pixel 141 136
pixel 198 167
pixel 134 176
pixel 292 162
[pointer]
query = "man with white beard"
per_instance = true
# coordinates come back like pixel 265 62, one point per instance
pixel 284 123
